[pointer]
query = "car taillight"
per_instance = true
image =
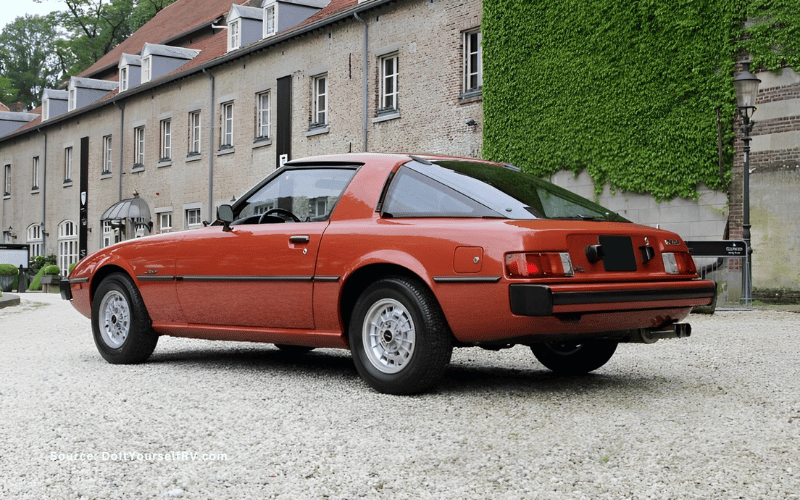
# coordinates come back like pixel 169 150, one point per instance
pixel 539 265
pixel 678 263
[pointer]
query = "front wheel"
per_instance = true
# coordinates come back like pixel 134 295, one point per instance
pixel 574 358
pixel 120 322
pixel 399 338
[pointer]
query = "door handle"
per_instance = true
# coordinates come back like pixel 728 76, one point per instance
pixel 299 239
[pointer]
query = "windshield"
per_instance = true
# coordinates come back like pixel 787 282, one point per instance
pixel 499 192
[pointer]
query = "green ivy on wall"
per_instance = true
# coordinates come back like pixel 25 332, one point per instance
pixel 626 90
pixel 773 33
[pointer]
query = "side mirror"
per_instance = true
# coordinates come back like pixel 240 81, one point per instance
pixel 225 214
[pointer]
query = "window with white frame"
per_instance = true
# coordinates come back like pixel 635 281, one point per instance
pixel 73 99
pixel 35 239
pixel 138 146
pixel 68 164
pixel 262 115
pixel 234 37
pixel 226 125
pixel 192 220
pixel 147 66
pixel 319 105
pixel 194 133
pixel 106 154
pixel 123 79
pixel 166 140
pixel 112 233
pixel 165 222
pixel 473 61
pixel 388 84
pixel 7 181
pixel 35 173
pixel 45 109
pixel 270 19
pixel 67 245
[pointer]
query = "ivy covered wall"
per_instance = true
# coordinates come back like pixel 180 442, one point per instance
pixel 626 90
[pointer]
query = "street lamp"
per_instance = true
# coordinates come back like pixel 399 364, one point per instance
pixel 746 85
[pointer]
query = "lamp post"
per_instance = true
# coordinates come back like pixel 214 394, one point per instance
pixel 746 85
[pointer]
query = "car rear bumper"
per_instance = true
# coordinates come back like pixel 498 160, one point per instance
pixel 542 300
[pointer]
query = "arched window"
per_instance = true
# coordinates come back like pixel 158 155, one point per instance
pixel 35 240
pixel 67 245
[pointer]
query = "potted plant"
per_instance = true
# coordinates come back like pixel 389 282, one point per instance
pixel 8 275
pixel 51 277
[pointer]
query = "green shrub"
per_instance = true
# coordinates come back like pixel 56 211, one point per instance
pixel 71 267
pixel 36 282
pixel 39 261
pixel 52 269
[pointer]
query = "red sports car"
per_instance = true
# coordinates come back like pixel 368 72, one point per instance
pixel 398 258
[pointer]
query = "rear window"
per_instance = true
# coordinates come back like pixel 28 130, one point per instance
pixel 460 188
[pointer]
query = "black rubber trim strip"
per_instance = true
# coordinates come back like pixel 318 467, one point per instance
pixel 76 280
pixel 466 279
pixel 150 277
pixel 326 279
pixel 571 298
pixel 245 278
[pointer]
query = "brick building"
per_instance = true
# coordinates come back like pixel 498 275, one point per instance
pixel 211 96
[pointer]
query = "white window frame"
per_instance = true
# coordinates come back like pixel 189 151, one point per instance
pixel 226 125
pixel 68 164
pixel 111 233
pixel 192 218
pixel 165 222
pixel 73 99
pixel 194 133
pixel 270 19
pixel 165 149
pixel 473 68
pixel 138 145
pixel 234 34
pixel 7 180
pixel 147 68
pixel 67 245
pixel 389 92
pixel 35 173
pixel 263 118
pixel 123 79
pixel 45 109
pixel 319 101
pixel 35 239
pixel 107 155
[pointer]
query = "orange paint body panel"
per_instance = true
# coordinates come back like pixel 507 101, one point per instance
pixel 293 283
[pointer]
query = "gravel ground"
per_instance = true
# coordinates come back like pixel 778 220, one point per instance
pixel 716 416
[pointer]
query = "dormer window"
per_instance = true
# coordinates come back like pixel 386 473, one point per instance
pixel 147 63
pixel 45 108
pixel 123 79
pixel 234 37
pixel 270 19
pixel 72 98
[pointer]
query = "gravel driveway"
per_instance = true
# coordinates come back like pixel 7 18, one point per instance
pixel 713 416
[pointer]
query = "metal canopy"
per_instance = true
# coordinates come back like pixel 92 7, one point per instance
pixel 134 208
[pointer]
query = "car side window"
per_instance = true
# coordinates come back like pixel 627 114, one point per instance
pixel 413 194
pixel 307 194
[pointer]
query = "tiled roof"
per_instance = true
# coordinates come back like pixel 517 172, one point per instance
pixel 180 17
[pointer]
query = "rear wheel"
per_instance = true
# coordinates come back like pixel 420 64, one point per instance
pixel 120 322
pixel 574 358
pixel 399 338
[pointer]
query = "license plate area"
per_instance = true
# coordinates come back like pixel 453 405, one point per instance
pixel 617 253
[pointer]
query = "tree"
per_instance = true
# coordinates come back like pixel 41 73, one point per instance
pixel 28 61
pixel 94 27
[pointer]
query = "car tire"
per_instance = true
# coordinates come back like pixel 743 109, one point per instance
pixel 574 358
pixel 294 350
pixel 120 323
pixel 399 338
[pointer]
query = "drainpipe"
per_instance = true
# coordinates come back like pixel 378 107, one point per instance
pixel 364 73
pixel 44 192
pixel 121 106
pixel 211 215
